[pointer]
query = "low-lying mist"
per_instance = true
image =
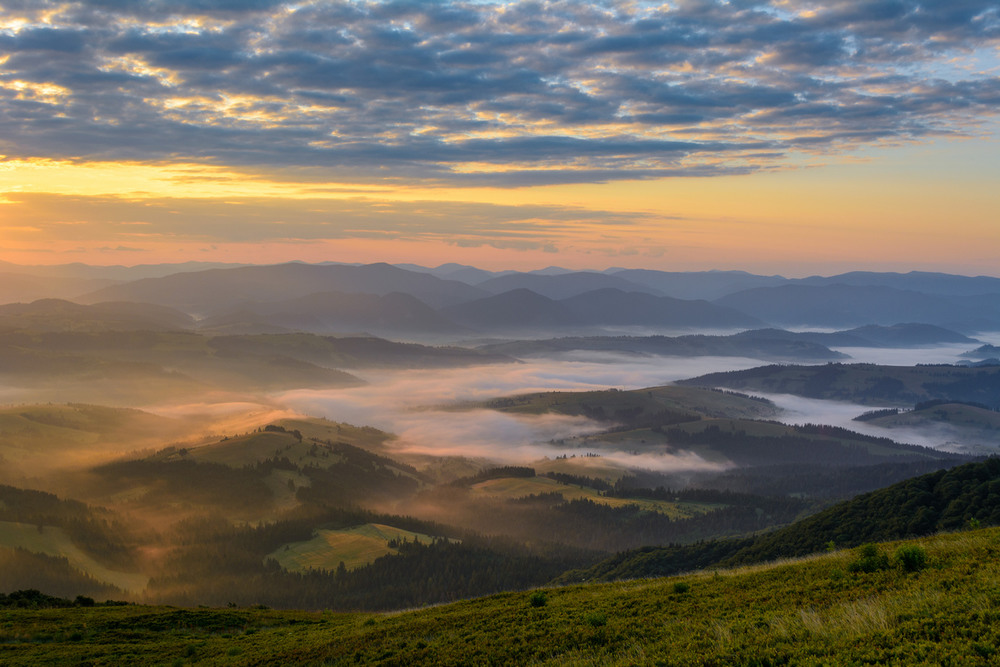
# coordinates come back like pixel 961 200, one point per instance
pixel 419 406
pixel 798 410
pixel 938 354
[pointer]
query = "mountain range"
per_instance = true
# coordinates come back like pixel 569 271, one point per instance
pixel 457 300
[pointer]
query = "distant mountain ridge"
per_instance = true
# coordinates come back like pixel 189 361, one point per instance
pixel 208 291
pixel 613 297
pixel 521 309
pixel 839 305
pixel 335 312
pixel 563 286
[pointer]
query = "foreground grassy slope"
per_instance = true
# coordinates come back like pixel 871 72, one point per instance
pixel 944 500
pixel 814 611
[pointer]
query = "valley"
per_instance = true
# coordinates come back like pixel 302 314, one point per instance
pixel 175 457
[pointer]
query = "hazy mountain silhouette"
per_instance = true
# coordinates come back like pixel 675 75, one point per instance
pixel 698 284
pixel 335 312
pixel 16 287
pixel 461 272
pixel 516 309
pixel 918 281
pixel 525 309
pixel 207 292
pixel 561 286
pixel 612 306
pixel 850 305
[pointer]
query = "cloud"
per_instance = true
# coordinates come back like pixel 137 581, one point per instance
pixel 250 220
pixel 513 92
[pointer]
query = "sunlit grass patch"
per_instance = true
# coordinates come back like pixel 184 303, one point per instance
pixel 354 547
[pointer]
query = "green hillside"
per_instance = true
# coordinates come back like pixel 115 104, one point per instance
pixel 922 602
pixel 942 500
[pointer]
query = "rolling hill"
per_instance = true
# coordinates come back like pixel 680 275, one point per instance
pixel 871 335
pixel 942 500
pixel 62 315
pixel 866 383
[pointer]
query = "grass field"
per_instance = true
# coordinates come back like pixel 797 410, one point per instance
pixel 813 611
pixel 354 547
pixel 519 487
pixel 53 541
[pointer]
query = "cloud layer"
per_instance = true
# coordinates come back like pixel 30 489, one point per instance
pixel 500 92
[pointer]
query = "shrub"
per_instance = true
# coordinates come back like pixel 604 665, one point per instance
pixel 538 599
pixel 911 558
pixel 681 587
pixel 870 559
pixel 596 619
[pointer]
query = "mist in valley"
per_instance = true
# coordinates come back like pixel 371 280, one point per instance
pixel 204 455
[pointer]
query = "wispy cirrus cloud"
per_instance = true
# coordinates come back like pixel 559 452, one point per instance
pixel 273 220
pixel 506 92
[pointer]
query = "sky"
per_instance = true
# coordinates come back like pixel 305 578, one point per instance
pixel 785 137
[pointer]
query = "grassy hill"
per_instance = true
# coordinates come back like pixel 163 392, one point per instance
pixel 43 437
pixel 815 611
pixel 944 500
